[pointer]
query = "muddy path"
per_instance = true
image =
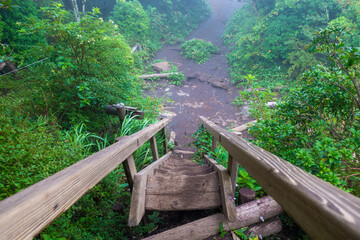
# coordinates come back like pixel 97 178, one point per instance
pixel 199 98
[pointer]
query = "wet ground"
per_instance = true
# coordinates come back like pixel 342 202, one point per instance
pixel 195 98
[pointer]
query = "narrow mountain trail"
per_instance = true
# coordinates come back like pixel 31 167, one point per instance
pixel 195 97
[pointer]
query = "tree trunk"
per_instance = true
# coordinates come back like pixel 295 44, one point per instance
pixel 255 6
pixel 76 10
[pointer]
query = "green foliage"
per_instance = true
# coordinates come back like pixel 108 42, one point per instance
pixel 264 46
pixel 221 230
pixel 177 78
pixel 90 66
pixel 132 19
pixel 33 148
pixel 257 98
pixel 317 126
pixel 14 45
pixel 198 50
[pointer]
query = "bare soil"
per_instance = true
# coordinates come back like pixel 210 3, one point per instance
pixel 195 98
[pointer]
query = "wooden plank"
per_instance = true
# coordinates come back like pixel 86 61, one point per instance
pixel 247 214
pixel 226 190
pixel 233 168
pixel 165 140
pixel 159 185
pixel 167 173
pixel 214 144
pixel 130 170
pixel 137 206
pixel 183 201
pixel 154 148
pixel 321 209
pixel 25 214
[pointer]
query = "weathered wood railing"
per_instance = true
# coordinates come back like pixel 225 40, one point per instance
pixel 321 209
pixel 26 213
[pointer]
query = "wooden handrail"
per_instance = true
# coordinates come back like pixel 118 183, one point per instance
pixel 26 213
pixel 322 210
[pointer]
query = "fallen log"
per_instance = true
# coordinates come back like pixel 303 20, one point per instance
pixel 267 228
pixel 246 195
pixel 243 127
pixel 247 214
pixel 159 75
pixel 114 110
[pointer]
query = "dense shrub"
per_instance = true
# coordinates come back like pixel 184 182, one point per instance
pixel 198 50
pixel 132 19
pixel 317 126
pixel 268 38
pixel 89 67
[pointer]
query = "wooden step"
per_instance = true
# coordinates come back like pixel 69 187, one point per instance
pixel 189 172
pixel 179 168
pixel 183 192
pixel 181 162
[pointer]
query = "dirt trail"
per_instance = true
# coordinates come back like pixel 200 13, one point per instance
pixel 195 98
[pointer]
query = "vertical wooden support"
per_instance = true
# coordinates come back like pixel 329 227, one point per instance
pixel 130 170
pixel 233 168
pixel 154 149
pixel 163 132
pixel 227 196
pixel 137 207
pixel 214 144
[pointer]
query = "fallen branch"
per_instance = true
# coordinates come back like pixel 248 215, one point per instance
pixel 159 75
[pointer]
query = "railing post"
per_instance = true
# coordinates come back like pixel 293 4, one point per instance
pixel 165 142
pixel 154 149
pixel 130 170
pixel 214 144
pixel 233 168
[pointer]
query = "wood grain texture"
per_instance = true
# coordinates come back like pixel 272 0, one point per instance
pixel 130 170
pixel 233 168
pixel 137 206
pixel 321 209
pixel 226 189
pixel 154 148
pixel 267 228
pixel 207 227
pixel 26 213
pixel 159 185
pixel 183 201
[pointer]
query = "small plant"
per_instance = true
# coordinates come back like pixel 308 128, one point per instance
pixel 177 78
pixel 221 230
pixel 257 97
pixel 198 50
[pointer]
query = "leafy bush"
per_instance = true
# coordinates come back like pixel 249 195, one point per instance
pixel 177 78
pixel 89 67
pixel 132 19
pixel 264 46
pixel 198 50
pixel 317 126
pixel 33 148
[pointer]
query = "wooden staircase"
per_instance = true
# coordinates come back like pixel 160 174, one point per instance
pixel 176 183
